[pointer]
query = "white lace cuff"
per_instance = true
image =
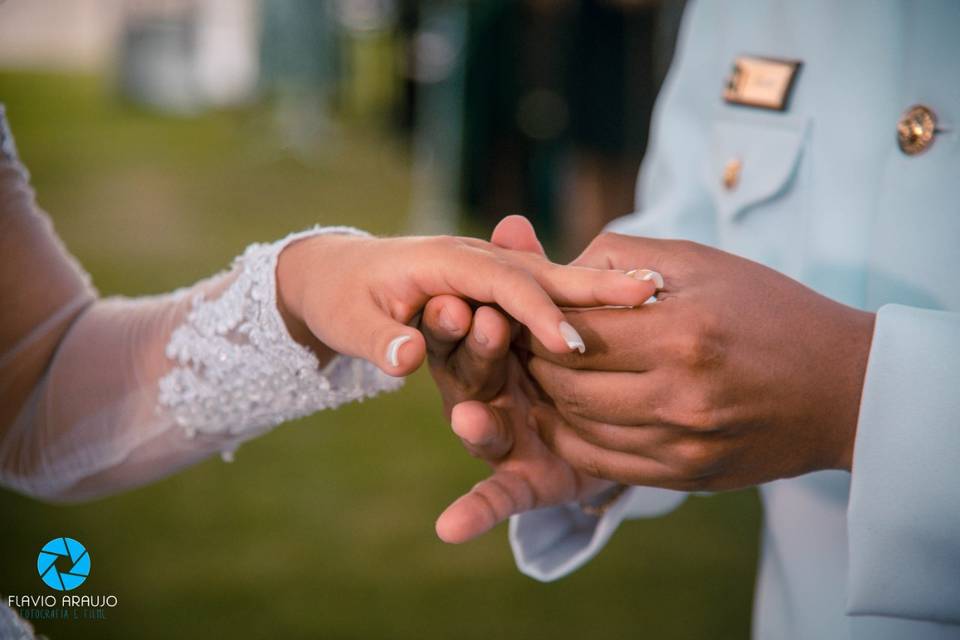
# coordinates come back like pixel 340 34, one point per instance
pixel 239 372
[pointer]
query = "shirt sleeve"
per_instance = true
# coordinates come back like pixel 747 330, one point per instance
pixel 904 510
pixel 550 543
pixel 101 395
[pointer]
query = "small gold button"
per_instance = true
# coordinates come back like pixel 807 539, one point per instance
pixel 916 129
pixel 731 173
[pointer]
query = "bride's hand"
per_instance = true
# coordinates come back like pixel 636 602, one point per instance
pixel 355 295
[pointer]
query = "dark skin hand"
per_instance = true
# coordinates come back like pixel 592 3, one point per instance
pixel 495 408
pixel 739 375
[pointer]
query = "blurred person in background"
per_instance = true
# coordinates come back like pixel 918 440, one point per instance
pixel 299 67
pixel 557 102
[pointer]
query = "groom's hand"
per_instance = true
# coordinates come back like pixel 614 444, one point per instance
pixel 737 376
pixel 495 409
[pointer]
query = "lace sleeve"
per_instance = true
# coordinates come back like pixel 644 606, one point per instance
pixel 237 369
pixel 100 395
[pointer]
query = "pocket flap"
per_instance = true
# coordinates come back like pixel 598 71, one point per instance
pixel 768 156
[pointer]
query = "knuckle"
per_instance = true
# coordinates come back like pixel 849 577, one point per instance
pixel 700 419
pixel 686 246
pixel 436 351
pixel 691 251
pixel 467 387
pixel 662 406
pixel 698 346
pixel 566 393
pixel 697 412
pixel 604 239
pixel 695 460
pixel 489 496
pixel 471 380
pixel 569 396
pixel 591 466
pixel 604 243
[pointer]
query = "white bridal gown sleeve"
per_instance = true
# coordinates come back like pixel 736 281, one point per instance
pixel 100 395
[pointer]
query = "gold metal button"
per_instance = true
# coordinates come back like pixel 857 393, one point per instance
pixel 916 129
pixel 731 173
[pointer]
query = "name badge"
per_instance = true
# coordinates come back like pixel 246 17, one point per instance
pixel 764 83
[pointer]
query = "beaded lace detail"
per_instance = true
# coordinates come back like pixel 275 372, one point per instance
pixel 238 370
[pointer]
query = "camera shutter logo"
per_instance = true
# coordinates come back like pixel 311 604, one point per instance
pixel 63 564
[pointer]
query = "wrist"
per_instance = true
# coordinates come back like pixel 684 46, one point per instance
pixel 293 269
pixel 858 342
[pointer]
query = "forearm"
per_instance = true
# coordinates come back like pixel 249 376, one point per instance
pixel 139 388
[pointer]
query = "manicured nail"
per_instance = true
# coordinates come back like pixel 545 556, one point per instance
pixel 571 337
pixel 393 350
pixel 647 274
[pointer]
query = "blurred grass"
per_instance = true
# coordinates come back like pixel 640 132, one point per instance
pixel 322 529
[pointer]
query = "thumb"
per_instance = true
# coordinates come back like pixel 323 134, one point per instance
pixel 516 232
pixel 489 503
pixel 403 352
pixel 371 333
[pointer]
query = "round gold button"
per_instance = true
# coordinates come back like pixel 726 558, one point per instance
pixel 731 173
pixel 916 129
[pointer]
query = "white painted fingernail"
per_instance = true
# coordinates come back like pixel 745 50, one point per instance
pixel 393 350
pixel 647 274
pixel 571 337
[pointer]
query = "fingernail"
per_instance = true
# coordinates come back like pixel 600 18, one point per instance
pixel 571 337
pixel 393 350
pixel 468 437
pixel 647 274
pixel 446 321
pixel 480 337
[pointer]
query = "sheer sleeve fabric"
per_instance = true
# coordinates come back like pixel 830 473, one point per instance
pixel 101 395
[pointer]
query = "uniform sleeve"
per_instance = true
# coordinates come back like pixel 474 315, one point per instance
pixel 101 395
pixel 550 543
pixel 672 202
pixel 904 511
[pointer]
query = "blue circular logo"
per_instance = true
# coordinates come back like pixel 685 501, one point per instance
pixel 73 560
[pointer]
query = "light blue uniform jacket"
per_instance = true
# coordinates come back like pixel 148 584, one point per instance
pixel 826 197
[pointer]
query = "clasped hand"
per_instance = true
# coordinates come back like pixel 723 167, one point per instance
pixel 736 376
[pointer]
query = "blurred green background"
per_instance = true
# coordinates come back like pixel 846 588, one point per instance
pixel 324 528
